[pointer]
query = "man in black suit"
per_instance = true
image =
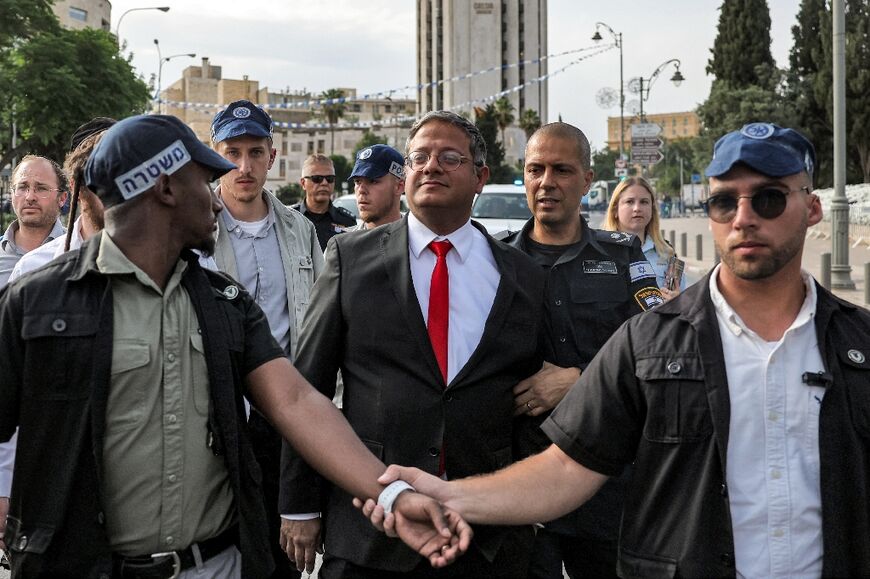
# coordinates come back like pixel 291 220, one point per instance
pixel 432 323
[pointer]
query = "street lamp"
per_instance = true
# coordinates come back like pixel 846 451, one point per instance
pixel 677 79
pixel 617 37
pixel 161 61
pixel 118 27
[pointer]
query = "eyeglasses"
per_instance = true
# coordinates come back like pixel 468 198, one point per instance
pixel 41 191
pixel 318 179
pixel 448 160
pixel 768 203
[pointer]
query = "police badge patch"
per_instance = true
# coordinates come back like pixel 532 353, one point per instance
pixel 648 298
pixel 242 113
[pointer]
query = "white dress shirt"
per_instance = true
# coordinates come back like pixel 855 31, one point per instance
pixel 773 443
pixel 474 279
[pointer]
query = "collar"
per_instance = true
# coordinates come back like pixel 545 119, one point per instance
pixel 737 326
pixel 112 261
pixel 648 244
pixel 233 224
pixel 419 237
pixel 9 237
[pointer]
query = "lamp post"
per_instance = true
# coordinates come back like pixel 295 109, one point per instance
pixel 617 37
pixel 677 79
pixel 162 61
pixel 118 27
pixel 840 268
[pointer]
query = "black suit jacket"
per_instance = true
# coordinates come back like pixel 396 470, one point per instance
pixel 365 319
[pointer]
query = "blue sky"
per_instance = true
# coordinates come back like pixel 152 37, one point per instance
pixel 371 45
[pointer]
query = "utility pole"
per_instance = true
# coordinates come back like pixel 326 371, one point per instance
pixel 840 269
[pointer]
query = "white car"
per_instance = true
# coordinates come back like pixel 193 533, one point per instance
pixel 501 208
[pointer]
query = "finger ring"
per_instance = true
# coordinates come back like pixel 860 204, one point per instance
pixel 528 405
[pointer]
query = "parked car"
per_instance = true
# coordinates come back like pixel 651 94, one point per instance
pixel 501 208
pixel 349 202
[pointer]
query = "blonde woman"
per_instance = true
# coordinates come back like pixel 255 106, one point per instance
pixel 633 209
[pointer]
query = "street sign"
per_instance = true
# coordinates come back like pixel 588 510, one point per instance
pixel 646 143
pixel 696 177
pixel 646 156
pixel 621 163
pixel 621 172
pixel 645 130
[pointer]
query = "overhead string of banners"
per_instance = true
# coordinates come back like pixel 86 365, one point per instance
pixel 399 121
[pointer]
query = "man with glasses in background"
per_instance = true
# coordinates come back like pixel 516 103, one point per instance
pixel 318 182
pixel 432 323
pixel 39 190
pixel 744 403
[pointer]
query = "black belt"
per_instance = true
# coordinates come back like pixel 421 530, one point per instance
pixel 171 563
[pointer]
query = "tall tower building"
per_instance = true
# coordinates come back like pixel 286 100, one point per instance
pixel 458 37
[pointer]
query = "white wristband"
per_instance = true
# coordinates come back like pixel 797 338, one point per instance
pixel 389 495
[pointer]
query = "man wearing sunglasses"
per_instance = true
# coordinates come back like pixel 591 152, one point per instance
pixel 39 190
pixel 744 403
pixel 318 182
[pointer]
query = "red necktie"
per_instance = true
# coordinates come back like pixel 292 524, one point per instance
pixel 439 314
pixel 439 304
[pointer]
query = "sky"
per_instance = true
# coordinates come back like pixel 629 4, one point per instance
pixel 371 46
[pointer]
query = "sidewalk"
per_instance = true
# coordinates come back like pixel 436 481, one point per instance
pixel 818 241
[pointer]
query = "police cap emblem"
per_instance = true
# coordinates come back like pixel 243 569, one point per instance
pixel 757 130
pixel 242 112
pixel 365 153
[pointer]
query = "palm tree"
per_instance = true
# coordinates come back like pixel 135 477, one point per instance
pixel 529 122
pixel 333 111
pixel 504 115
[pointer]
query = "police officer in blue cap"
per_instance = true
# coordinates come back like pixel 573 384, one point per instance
pixel 274 252
pixel 125 365
pixel 378 182
pixel 744 403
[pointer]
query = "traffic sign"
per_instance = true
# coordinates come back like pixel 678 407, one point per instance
pixel 621 172
pixel 645 130
pixel 646 143
pixel 646 156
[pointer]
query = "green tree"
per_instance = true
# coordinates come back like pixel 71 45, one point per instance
pixel 56 81
pixel 290 193
pixel 604 164
pixel 857 80
pixel 485 119
pixel 529 122
pixel 332 112
pixel 667 172
pixel 504 115
pixel 343 169
pixel 21 20
pixel 368 139
pixel 742 42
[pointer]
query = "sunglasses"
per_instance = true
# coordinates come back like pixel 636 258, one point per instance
pixel 318 179
pixel 767 203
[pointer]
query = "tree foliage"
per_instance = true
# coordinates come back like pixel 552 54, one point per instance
pixel 604 164
pixel 486 121
pixel 332 112
pixel 742 42
pixel 58 80
pixel 368 139
pixel 21 20
pixel 529 121
pixel 290 193
pixel 504 115
pixel 343 169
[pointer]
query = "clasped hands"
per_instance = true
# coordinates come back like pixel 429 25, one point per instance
pixel 428 526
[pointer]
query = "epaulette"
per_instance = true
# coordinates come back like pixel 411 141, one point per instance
pixel 616 237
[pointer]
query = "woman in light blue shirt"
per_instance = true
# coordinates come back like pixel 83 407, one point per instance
pixel 633 209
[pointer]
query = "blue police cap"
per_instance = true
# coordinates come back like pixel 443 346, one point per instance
pixel 378 160
pixel 134 152
pixel 769 149
pixel 240 118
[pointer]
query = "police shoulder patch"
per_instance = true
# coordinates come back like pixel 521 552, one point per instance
pixel 617 237
pixel 648 298
pixel 640 270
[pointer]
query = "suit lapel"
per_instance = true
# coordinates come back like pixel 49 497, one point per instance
pixel 504 297
pixel 394 254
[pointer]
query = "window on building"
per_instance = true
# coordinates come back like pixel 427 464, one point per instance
pixel 388 108
pixel 296 147
pixel 321 145
pixel 78 14
pixel 310 147
pixel 282 168
pixel 284 147
pixel 356 107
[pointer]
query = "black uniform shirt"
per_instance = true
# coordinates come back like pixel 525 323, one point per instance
pixel 329 224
